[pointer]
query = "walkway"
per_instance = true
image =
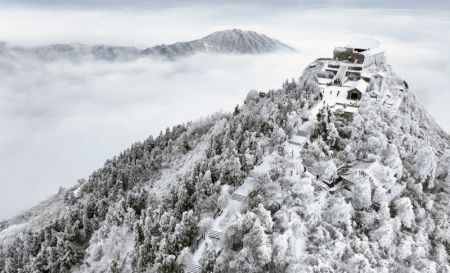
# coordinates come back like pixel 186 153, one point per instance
pixel 331 96
pixel 234 205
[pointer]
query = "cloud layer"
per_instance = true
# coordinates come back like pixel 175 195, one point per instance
pixel 61 120
pixel 64 120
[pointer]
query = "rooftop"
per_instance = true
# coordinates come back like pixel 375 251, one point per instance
pixel 373 169
pixel 361 85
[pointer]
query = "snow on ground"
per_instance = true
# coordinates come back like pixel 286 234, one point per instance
pixel 199 252
pixel 265 166
pixel 12 231
pixel 293 149
pixel 232 208
pixel 181 166
pixel 307 126
pixel 185 163
pixel 336 94
pixel 332 96
pixel 298 140
pixel 107 247
pixel 246 187
pixel 31 219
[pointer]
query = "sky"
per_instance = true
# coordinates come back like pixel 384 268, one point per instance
pixel 60 121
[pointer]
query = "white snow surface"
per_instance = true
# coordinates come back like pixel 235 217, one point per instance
pixel 108 245
pixel 32 219
pixel 233 207
pixel 185 163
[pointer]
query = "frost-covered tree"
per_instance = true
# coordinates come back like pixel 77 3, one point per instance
pixel 361 190
pixel 384 234
pixel 339 213
pixel 425 164
pixel 208 259
pixel 404 211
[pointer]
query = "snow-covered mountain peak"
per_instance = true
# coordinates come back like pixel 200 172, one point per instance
pixel 242 41
pixel 228 41
pixel 341 170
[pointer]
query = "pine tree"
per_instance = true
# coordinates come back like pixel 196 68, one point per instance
pixel 208 259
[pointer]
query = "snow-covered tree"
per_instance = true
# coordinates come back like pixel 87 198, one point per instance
pixel 361 190
pixel 339 213
pixel 404 211
pixel 425 164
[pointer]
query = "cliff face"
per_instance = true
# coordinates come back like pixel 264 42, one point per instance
pixel 288 182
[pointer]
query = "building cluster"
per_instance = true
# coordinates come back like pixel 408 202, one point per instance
pixel 376 173
pixel 346 76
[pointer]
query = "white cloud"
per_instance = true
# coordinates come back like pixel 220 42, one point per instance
pixel 64 120
pixel 61 120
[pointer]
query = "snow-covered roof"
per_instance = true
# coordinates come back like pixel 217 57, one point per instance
pixel 379 176
pixel 360 85
pixel 363 43
pixel 371 168
pixel 366 165
pixel 373 51
pixel 366 75
pixel 348 108
pixel 298 140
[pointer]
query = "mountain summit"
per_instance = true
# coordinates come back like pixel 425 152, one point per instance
pixel 341 170
pixel 228 41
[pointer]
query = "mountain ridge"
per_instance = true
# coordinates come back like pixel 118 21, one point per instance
pixel 228 41
pixel 225 42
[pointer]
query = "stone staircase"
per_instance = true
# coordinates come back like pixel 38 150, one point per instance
pixel 303 133
pixel 340 75
pixel 214 234
pixel 192 268
pixel 238 197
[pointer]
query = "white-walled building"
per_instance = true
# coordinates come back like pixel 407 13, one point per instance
pixel 362 51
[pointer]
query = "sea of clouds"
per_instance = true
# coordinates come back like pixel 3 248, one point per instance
pixel 61 120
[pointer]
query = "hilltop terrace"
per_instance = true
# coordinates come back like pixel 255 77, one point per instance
pixel 345 78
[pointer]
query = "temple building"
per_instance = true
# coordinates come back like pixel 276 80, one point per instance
pixel 346 77
pixel 361 51
pixel 356 91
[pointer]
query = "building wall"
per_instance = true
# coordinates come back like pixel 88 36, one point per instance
pixel 348 55
pixel 376 58
pixel 348 115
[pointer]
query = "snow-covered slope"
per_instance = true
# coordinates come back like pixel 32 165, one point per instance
pixel 228 41
pixel 301 179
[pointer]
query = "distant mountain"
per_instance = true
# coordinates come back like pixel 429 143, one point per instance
pixel 228 41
